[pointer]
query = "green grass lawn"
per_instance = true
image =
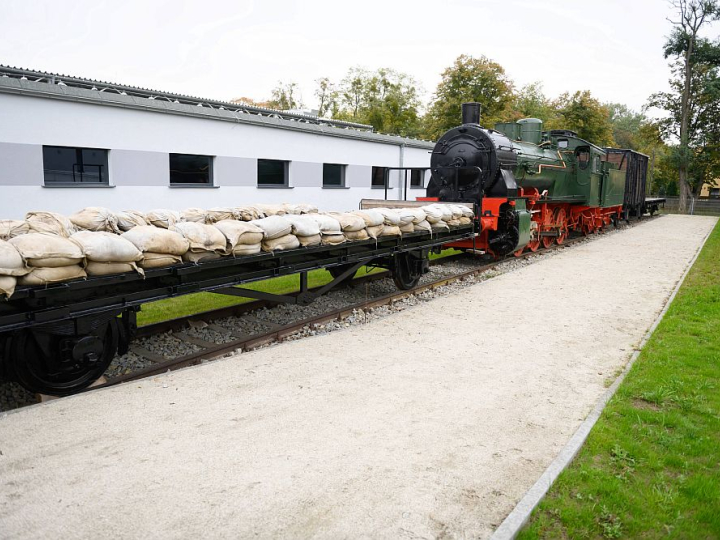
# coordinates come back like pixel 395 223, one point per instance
pixel 651 465
pixel 190 304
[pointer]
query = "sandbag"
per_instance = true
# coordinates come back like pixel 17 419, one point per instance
pixel 348 222
pixel 300 208
pixel 247 213
pixel 432 214
pixel 196 215
pixel 240 232
pixel 465 220
pixel 422 226
pixel 158 260
pixel 128 219
pixel 332 239
pixel 372 218
pixel 454 223
pixel 407 228
pixel 218 214
pixel 327 224
pixel 47 250
pixel 375 231
pixel 106 247
pixel 9 228
pixel 391 217
pixel 303 225
pixel 272 209
pixel 465 211
pixel 201 237
pixel 50 223
pixel 356 235
pixel 162 218
pixel 246 249
pixel 440 226
pixel 307 241
pixel 96 218
pixel 156 240
pixel 444 209
pixel 391 230
pixel 11 262
pixel 274 226
pixel 199 256
pixel 415 214
pixel 289 241
pixel 7 286
pixel 95 268
pixel 46 276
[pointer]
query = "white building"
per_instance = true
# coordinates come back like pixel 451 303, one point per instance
pixel 67 143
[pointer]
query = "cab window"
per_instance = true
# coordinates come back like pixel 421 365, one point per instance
pixel 583 158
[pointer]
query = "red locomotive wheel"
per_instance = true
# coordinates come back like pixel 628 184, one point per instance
pixel 518 252
pixel 533 245
pixel 561 219
pixel 547 226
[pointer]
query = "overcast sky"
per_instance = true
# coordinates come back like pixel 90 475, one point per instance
pixel 224 49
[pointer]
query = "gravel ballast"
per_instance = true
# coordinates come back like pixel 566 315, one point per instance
pixel 432 422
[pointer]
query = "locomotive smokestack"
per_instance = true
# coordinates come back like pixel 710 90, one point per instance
pixel 471 113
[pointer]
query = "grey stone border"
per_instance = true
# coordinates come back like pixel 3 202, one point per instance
pixel 516 520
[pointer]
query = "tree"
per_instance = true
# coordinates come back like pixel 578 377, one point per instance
pixel 327 96
pixel 585 115
pixel 285 97
pixel 694 58
pixel 531 102
pixel 626 125
pixel 469 79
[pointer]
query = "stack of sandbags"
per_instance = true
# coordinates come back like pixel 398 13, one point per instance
pixel 242 238
pixel 163 218
pixel 160 247
pixel 278 233
pixel 418 216
pixel 206 242
pixel 435 214
pixel 11 227
pixel 197 215
pixel 11 266
pixel 298 209
pixel 51 258
pixel 467 214
pixel 374 221
pixel 305 228
pixel 96 218
pixel 107 253
pixel 50 223
pixel 352 225
pixel 247 213
pixel 128 219
pixel 272 209
pixel 391 222
pixel 330 229
pixel 219 214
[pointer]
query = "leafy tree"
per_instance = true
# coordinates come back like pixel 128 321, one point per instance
pixel 585 115
pixel 626 125
pixel 285 97
pixel 531 102
pixel 327 96
pixel 469 79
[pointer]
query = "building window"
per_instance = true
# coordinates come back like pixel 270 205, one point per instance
pixel 272 172
pixel 62 165
pixel 190 169
pixel 333 175
pixel 378 177
pixel 417 178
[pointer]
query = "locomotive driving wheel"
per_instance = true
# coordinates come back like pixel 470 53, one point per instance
pixel 547 226
pixel 560 218
pixel 60 365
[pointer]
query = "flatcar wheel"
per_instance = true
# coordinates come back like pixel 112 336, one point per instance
pixel 61 365
pixel 406 271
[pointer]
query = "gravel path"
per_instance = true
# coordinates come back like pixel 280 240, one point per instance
pixel 429 423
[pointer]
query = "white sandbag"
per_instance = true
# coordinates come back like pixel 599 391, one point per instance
pixel 440 226
pixel 106 247
pixel 7 286
pixel 50 223
pixel 156 240
pixel 46 276
pixel 415 215
pixel 453 223
pixel 375 231
pixel 10 228
pixel 128 219
pixel 218 214
pixel 332 239
pixel 195 215
pixel 246 249
pixel 422 226
pixel 327 224
pixel 348 222
pixel 303 225
pixel 158 260
pixel 392 217
pixel 162 218
pixel 465 220
pixel 200 256
pixel 47 250
pixel 300 208
pixel 240 232
pixel 272 209
pixel 289 241
pixel 432 214
pixel 456 210
pixel 247 213
pixel 407 227
pixel 11 262
pixel 466 212
pixel 96 218
pixel 444 209
pixel 307 241
pixel 274 226
pixel 95 268
pixel 201 237
pixel 356 235
pixel 391 230
pixel 372 218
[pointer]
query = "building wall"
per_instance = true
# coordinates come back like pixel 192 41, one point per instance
pixel 139 143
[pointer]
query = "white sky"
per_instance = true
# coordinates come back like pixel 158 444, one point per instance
pixel 223 49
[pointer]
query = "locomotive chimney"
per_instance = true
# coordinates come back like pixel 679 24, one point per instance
pixel 471 113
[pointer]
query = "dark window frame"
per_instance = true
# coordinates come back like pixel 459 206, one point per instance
pixel 210 170
pixel 78 170
pixel 285 173
pixel 342 169
pixel 375 172
pixel 421 183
